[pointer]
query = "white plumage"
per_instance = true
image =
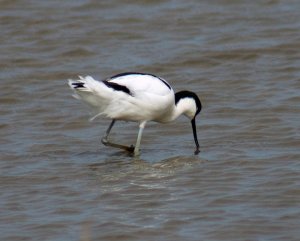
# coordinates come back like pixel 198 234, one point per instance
pixel 136 97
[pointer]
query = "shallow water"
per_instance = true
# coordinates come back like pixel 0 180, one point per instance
pixel 57 181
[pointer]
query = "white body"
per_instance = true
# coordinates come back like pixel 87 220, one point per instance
pixel 150 100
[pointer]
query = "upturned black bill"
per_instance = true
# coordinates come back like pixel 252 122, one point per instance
pixel 195 136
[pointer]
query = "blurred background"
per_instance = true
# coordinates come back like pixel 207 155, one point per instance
pixel 58 182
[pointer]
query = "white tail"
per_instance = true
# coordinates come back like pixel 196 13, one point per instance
pixel 92 92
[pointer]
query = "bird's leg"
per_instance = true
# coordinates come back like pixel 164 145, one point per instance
pixel 139 138
pixel 105 141
pixel 109 128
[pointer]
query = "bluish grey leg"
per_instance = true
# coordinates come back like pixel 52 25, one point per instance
pixel 106 142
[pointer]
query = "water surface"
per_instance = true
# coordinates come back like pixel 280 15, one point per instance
pixel 58 182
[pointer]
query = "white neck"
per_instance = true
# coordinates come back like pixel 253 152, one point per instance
pixel 185 106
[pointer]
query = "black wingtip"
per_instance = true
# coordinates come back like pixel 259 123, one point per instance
pixel 78 85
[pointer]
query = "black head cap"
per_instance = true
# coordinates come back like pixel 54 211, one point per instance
pixel 189 94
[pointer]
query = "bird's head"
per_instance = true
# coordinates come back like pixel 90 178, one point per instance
pixel 191 106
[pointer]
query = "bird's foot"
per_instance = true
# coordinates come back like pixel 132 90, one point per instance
pixel 197 151
pixel 105 142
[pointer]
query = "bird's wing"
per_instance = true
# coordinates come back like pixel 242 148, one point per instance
pixel 151 96
pixel 139 83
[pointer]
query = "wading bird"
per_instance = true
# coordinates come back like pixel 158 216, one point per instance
pixel 136 97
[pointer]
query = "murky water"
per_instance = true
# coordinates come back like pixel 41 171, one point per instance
pixel 58 182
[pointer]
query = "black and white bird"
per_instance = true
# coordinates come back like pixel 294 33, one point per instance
pixel 136 97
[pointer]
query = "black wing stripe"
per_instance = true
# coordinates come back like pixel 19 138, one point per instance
pixel 117 87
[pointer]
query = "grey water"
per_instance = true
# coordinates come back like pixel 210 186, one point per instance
pixel 58 182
